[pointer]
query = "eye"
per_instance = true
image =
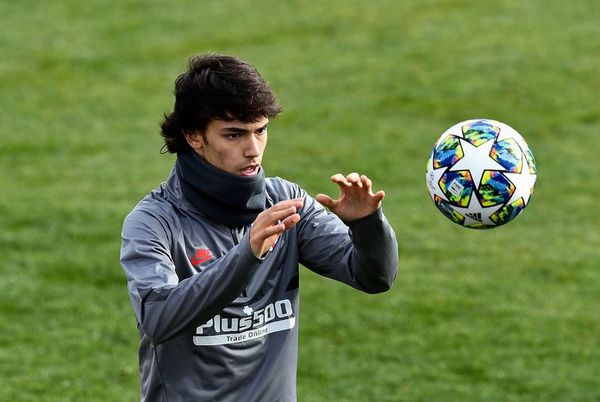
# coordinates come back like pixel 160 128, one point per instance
pixel 262 130
pixel 233 136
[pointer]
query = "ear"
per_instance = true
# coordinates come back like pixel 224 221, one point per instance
pixel 195 139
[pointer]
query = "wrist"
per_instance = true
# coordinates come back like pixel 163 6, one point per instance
pixel 375 215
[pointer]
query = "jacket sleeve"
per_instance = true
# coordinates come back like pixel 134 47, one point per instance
pixel 165 306
pixel 362 253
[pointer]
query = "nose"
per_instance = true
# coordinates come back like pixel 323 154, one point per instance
pixel 253 147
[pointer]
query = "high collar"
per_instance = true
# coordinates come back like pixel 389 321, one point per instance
pixel 232 199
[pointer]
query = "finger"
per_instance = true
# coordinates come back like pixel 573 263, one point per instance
pixel 295 202
pixel 291 221
pixel 340 179
pixel 269 231
pixel 282 206
pixel 325 200
pixel 354 178
pixel 278 215
pixel 280 227
pixel 367 183
pixel 272 216
pixel 277 212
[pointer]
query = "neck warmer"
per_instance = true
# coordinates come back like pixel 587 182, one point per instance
pixel 228 198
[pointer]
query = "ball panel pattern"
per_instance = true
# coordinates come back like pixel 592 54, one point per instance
pixel 530 161
pixel 457 187
pixel 508 212
pixel 508 153
pixel 447 152
pixel 479 132
pixel 447 210
pixel 495 189
pixel 478 225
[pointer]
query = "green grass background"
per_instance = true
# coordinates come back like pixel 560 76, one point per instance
pixel 509 314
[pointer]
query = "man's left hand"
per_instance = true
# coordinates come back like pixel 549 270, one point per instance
pixel 356 199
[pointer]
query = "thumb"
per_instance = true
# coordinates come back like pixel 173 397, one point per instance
pixel 379 196
pixel 325 200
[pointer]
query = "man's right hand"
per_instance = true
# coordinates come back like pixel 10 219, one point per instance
pixel 271 223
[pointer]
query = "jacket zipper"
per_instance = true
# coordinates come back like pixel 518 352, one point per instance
pixel 236 241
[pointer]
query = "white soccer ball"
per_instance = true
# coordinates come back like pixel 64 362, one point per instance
pixel 481 173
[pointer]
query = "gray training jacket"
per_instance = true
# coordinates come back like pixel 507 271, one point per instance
pixel 219 324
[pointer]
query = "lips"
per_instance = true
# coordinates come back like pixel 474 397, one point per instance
pixel 249 170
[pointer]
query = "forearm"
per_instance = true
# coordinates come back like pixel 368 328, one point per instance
pixel 374 260
pixel 167 311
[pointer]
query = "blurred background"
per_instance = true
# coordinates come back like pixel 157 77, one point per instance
pixel 509 314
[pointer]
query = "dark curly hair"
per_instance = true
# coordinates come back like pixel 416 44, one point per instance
pixel 216 87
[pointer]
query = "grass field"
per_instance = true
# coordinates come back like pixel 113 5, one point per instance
pixel 509 314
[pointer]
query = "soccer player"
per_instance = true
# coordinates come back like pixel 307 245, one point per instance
pixel 212 255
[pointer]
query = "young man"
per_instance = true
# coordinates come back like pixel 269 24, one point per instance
pixel 212 255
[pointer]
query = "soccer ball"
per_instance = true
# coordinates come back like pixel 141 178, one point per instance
pixel 481 173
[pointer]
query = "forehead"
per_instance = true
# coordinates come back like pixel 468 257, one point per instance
pixel 221 125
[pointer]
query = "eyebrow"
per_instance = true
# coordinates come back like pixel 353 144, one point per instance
pixel 241 130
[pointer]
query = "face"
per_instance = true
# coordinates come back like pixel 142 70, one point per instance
pixel 232 146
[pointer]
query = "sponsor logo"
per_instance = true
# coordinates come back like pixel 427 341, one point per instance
pixel 220 330
pixel 475 216
pixel 200 256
